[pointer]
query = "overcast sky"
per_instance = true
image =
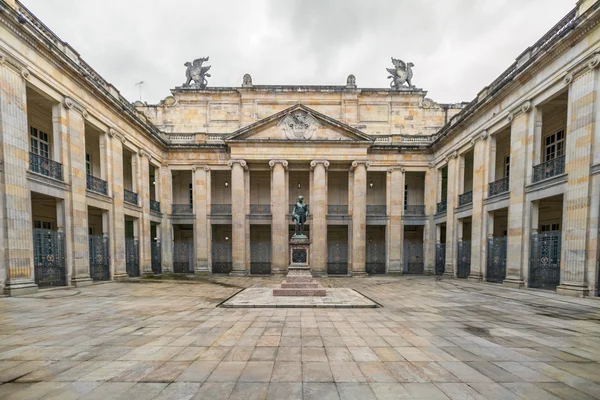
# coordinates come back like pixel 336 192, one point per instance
pixel 457 46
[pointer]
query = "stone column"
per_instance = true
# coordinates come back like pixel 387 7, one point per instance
pixel 200 212
pixel 430 228
pixel 144 195
pixel 118 225
pixel 396 227
pixel 238 217
pixel 318 210
pixel 451 222
pixel 478 234
pixel 279 223
pixel 578 218
pixel 522 145
pixel 166 203
pixel 77 219
pixel 17 243
pixel 359 216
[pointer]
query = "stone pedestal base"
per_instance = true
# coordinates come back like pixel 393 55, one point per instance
pixel 299 282
pixel 514 283
pixel 475 277
pixel 19 288
pixel 239 273
pixel 573 290
pixel 81 282
pixel 120 277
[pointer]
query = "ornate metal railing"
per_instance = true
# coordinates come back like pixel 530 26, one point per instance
pixel 412 209
pixel 99 257
pixel 154 205
pixel 441 207
pixel 182 209
pixel 49 258
pixel 260 209
pixel 220 209
pixel 96 185
pixel 463 261
pixel 375 258
pixel 497 187
pixel 544 263
pixel 183 256
pixel 156 256
pixel 413 257
pixel 440 258
pixel 496 260
pixel 45 166
pixel 132 257
pixel 130 197
pixel 465 198
pixel 551 168
pixel 337 209
pixel 377 210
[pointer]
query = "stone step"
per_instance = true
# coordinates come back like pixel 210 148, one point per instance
pixel 320 292
pixel 288 284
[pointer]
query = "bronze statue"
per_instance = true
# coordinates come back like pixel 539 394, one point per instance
pixel 299 215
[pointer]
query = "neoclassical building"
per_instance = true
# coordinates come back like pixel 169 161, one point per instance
pixel 504 188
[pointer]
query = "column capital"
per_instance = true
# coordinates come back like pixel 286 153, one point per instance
pixel 314 163
pixel 198 167
pixel 242 163
pixel 73 105
pixel 356 163
pixel 398 167
pixel 451 156
pixel 432 165
pixel 144 153
pixel 523 108
pixel 284 163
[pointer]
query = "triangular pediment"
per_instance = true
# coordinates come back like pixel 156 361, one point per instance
pixel 299 124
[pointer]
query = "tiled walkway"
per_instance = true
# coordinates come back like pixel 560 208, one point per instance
pixel 448 339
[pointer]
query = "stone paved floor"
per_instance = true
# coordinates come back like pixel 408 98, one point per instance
pixel 262 297
pixel 448 339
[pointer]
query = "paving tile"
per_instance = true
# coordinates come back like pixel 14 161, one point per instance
pixel 375 371
pixel 355 391
pixel 287 371
pixel 213 391
pixel 227 371
pixel 287 391
pixel 316 372
pixel 346 371
pixel 249 391
pixel 257 371
pixel 198 371
pixel 320 391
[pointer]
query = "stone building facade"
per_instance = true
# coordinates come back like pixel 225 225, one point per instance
pixel 505 188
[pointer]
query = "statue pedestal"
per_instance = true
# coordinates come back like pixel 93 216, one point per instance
pixel 299 280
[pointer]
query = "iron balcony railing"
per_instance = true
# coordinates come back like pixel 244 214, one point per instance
pixel 259 209
pixel 96 185
pixel 130 197
pixel 220 209
pixel 337 209
pixel 551 168
pixel 154 205
pixel 497 187
pixel 441 206
pixel 412 209
pixel 377 210
pixel 45 166
pixel 465 198
pixel 182 209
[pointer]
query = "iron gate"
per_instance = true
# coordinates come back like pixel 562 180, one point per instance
pixel 440 258
pixel 221 257
pixel 463 267
pixel 182 257
pixel 260 257
pixel 156 255
pixel 132 257
pixel 413 257
pixel 337 258
pixel 496 260
pixel 375 258
pixel 49 258
pixel 544 264
pixel 99 258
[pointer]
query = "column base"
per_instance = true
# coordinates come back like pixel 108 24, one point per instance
pixel 361 274
pixel 20 288
pixel 573 290
pixel 475 277
pixel 514 283
pixel 396 273
pixel 449 274
pixel 120 277
pixel 319 274
pixel 81 282
pixel 278 272
pixel 201 272
pixel 239 273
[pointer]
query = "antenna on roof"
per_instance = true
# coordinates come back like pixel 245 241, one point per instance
pixel 140 83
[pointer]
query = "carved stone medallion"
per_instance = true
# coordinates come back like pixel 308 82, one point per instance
pixel 299 125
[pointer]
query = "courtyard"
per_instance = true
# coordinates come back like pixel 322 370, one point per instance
pixel 429 339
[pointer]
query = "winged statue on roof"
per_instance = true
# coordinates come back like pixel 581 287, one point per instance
pixel 197 73
pixel 401 73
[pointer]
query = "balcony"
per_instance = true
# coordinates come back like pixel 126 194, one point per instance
pixel 259 209
pixel 549 169
pixel 465 198
pixel 97 185
pixel 441 207
pixel 154 206
pixel 44 166
pixel 220 209
pixel 497 187
pixel 130 197
pixel 377 210
pixel 337 209
pixel 414 210
pixel 179 209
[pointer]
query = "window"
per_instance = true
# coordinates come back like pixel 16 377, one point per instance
pixel 405 197
pixel 550 227
pixel 39 142
pixel 191 194
pixel 42 224
pixel 88 164
pixel 507 166
pixel 555 145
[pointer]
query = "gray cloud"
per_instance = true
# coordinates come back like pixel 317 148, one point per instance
pixel 457 46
